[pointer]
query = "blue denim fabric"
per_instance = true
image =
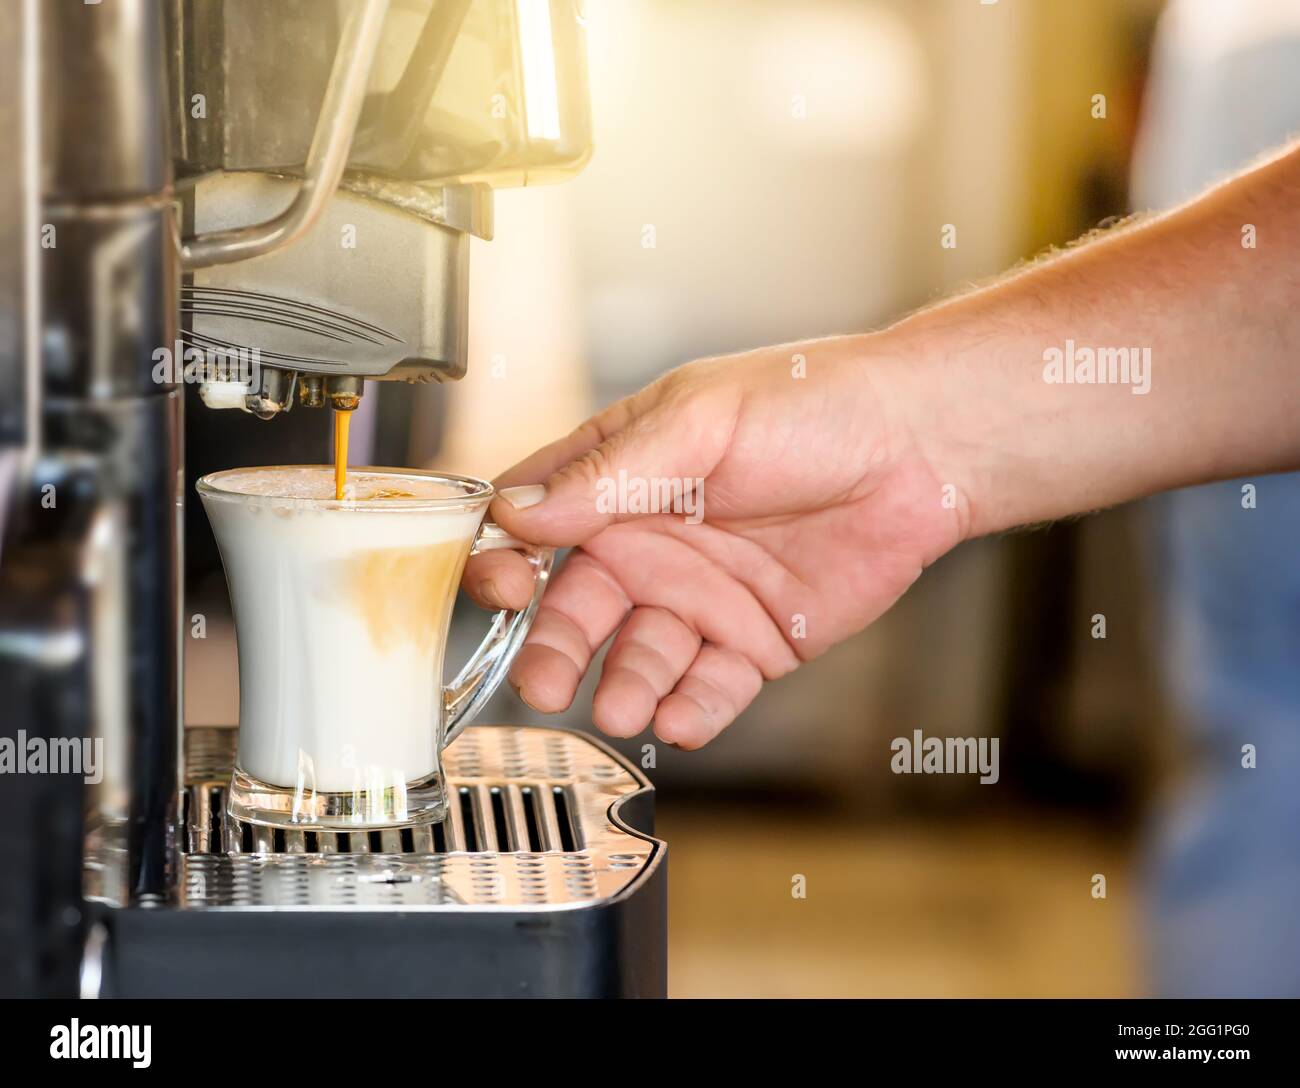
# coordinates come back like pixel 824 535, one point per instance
pixel 1224 865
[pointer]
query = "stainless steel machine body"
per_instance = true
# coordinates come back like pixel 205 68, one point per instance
pixel 176 186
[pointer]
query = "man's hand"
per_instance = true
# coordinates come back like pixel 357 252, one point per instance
pixel 818 513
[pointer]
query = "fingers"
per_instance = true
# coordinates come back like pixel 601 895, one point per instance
pixel 718 685
pixel 499 579
pixel 684 570
pixel 583 606
pixel 648 657
pixel 672 444
pixel 684 601
pixel 658 669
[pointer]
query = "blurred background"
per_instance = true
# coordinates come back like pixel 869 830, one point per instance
pixel 770 170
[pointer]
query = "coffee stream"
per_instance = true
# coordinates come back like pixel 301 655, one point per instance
pixel 341 421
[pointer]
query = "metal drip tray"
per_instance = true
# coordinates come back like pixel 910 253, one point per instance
pixel 541 819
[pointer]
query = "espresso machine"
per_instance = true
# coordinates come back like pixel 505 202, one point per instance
pixel 264 206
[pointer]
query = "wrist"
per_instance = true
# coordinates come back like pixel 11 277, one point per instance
pixel 932 418
pixel 1014 446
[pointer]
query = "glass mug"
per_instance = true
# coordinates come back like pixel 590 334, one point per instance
pixel 342 609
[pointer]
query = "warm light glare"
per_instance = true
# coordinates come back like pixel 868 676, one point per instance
pixel 847 79
pixel 541 91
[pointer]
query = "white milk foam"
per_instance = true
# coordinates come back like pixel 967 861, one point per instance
pixel 341 616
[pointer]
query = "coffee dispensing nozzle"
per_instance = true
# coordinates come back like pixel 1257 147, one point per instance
pixel 311 391
pixel 265 397
pixel 343 394
pixel 273 394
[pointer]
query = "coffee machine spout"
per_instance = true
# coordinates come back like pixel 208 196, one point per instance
pixel 273 394
pixel 270 395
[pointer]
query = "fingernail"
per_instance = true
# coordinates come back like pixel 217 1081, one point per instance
pixel 521 498
pixel 519 691
pixel 489 592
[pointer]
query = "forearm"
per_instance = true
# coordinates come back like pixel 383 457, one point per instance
pixel 1027 396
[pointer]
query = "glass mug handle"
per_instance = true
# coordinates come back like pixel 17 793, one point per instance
pixel 466 695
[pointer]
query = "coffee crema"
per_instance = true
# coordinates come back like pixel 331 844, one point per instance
pixel 316 482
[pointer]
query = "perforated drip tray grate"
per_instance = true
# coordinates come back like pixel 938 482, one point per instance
pixel 533 824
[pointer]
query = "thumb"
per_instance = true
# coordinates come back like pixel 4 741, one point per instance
pixel 631 464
